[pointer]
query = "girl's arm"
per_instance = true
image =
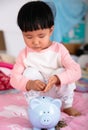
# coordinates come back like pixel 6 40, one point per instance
pixel 72 69
pixel 17 79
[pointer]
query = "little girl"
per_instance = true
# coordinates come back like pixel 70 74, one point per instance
pixel 44 67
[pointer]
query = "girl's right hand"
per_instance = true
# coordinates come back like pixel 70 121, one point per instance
pixel 36 85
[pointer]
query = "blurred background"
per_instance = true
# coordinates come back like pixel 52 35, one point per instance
pixel 10 35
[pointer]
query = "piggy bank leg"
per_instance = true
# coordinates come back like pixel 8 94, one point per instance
pixel 51 128
pixel 34 128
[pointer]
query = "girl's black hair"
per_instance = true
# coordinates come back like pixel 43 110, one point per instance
pixel 35 15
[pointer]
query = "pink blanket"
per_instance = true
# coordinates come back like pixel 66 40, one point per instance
pixel 13 113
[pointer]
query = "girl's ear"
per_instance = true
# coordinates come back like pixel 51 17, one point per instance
pixel 51 30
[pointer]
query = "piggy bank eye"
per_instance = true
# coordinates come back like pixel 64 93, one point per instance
pixel 45 112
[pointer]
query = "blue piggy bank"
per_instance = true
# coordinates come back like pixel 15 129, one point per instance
pixel 44 112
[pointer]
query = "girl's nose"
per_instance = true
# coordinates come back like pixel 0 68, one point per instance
pixel 35 41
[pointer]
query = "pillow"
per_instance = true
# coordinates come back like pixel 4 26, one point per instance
pixel 6 65
pixel 5 71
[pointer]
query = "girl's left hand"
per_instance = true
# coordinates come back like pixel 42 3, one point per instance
pixel 52 80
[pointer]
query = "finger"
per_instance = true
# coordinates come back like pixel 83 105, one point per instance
pixel 47 88
pixel 42 86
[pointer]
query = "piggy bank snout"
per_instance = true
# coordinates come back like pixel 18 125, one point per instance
pixel 45 120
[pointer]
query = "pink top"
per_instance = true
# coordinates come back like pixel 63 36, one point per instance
pixel 46 61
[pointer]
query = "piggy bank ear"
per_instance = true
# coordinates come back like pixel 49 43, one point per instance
pixel 57 102
pixel 34 103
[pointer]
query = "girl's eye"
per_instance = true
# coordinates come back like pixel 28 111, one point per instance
pixel 29 37
pixel 41 36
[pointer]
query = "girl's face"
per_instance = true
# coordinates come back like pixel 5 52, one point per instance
pixel 38 39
